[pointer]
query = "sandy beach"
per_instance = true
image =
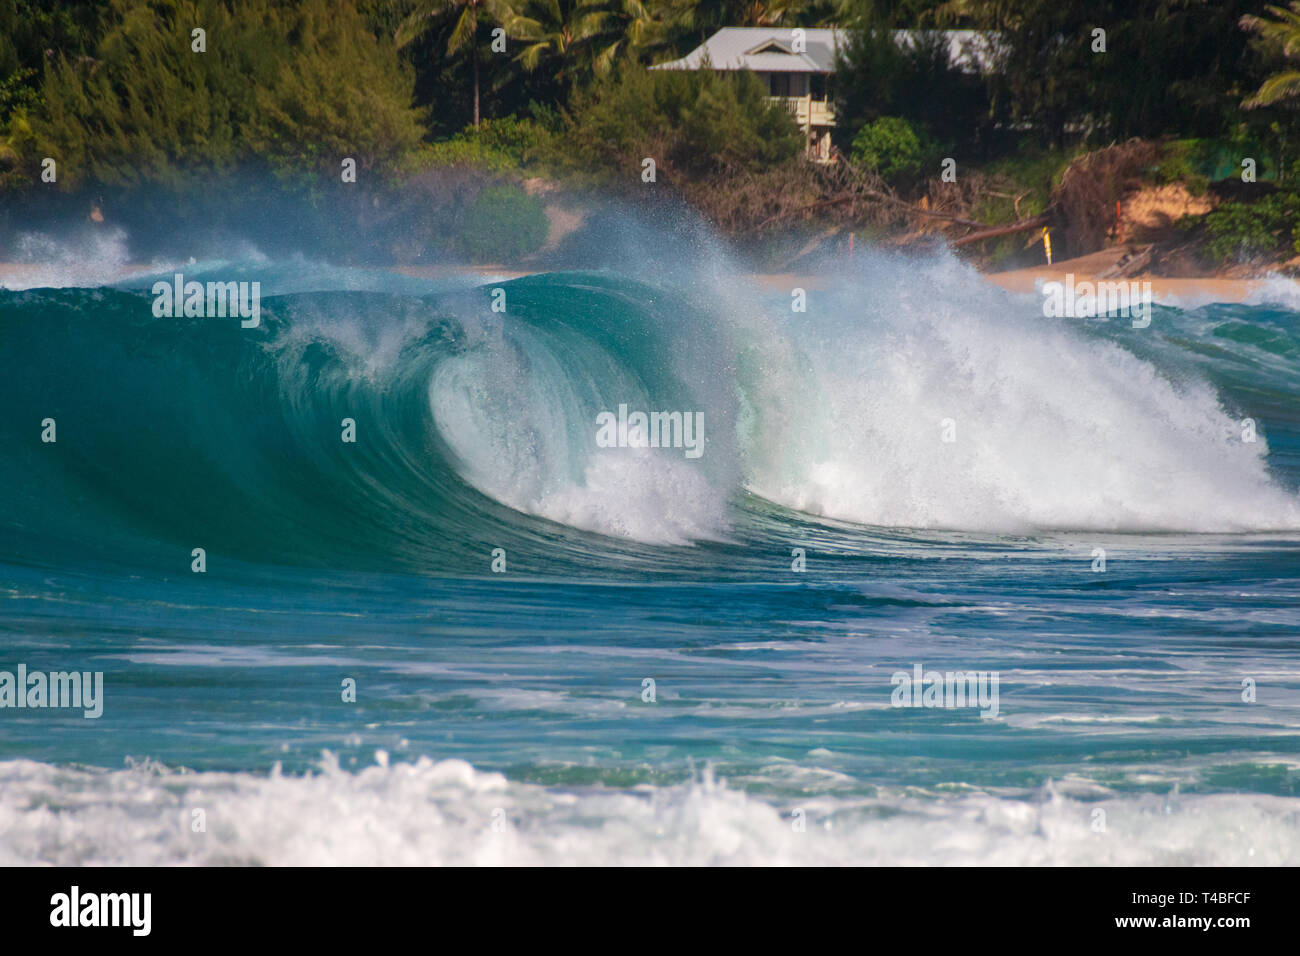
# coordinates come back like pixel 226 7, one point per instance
pixel 1181 290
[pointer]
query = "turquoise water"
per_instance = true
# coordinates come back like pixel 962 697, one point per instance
pixel 506 716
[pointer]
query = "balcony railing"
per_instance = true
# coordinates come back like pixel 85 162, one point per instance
pixel 806 110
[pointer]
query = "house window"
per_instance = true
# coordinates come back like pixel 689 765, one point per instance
pixel 818 81
pixel 778 84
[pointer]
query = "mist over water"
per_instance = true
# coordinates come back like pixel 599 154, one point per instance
pixel 477 430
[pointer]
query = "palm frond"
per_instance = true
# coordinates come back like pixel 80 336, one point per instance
pixel 465 29
pixel 419 20
pixel 1278 87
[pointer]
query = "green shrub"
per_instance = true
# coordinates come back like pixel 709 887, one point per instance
pixel 459 151
pixel 520 139
pixel 497 145
pixel 1182 161
pixel 1244 231
pixel 890 147
pixel 502 224
pixel 1030 175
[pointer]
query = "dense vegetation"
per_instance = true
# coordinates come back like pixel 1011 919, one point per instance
pixel 460 100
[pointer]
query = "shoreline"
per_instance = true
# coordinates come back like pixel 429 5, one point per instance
pixel 1183 290
pixel 1202 289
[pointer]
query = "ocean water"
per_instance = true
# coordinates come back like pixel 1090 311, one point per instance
pixel 648 678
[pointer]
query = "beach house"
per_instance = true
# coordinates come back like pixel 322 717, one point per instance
pixel 796 64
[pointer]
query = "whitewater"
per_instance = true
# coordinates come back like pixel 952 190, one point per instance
pixel 565 652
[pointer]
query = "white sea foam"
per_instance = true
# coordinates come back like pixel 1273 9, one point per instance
pixel 842 413
pixel 1052 429
pixel 443 812
pixel 522 436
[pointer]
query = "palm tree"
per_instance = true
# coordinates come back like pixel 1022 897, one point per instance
pixel 705 16
pixel 550 29
pixel 582 34
pixel 1284 30
pixel 622 26
pixel 464 33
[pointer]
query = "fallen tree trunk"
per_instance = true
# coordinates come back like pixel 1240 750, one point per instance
pixel 993 233
pixel 872 195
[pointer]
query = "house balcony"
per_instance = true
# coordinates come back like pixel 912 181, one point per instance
pixel 806 110
pixel 815 117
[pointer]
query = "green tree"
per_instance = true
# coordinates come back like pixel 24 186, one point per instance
pixel 701 18
pixel 622 28
pixel 146 108
pixel 31 31
pixel 1284 32
pixel 344 93
pixel 877 77
pixel 553 32
pixel 578 40
pixel 288 83
pixel 1168 67
pixel 698 122
pixel 464 35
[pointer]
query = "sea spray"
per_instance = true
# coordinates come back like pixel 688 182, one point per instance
pixel 211 300
pixel 651 430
